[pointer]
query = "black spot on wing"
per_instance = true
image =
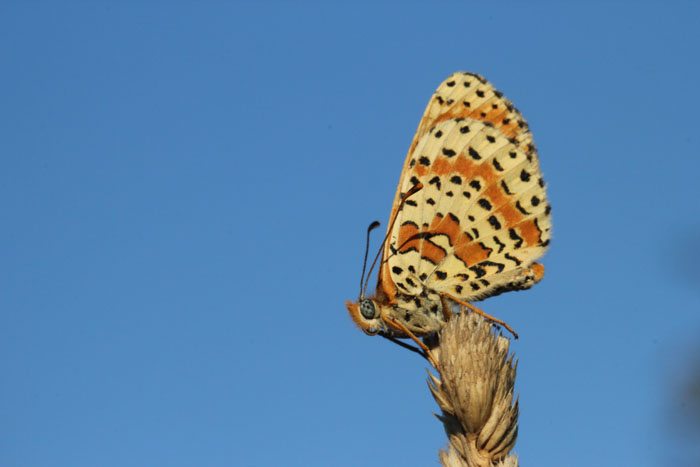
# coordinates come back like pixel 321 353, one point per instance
pixel 505 187
pixel 499 266
pixel 513 259
pixel 478 270
pixel 520 208
pixel 500 244
pixel 484 203
pixel 514 236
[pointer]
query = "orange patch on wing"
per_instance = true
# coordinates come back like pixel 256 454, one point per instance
pixel 510 214
pixel 530 232
pixel 492 116
pixel 538 270
pixel 496 195
pixel 464 166
pixel 487 172
pixel 511 129
pixel 442 166
pixel 408 237
pixel 445 226
pixel 506 208
pixel 472 253
pixel 386 283
pixel 454 112
pixel 470 169
pixel 420 170
pixel 432 252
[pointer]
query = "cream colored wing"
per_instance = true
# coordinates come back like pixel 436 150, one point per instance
pixel 482 218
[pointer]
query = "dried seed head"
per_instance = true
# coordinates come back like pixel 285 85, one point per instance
pixel 475 392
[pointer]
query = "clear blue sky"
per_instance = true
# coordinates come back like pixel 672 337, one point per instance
pixel 185 189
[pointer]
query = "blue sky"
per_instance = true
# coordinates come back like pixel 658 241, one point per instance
pixel 185 189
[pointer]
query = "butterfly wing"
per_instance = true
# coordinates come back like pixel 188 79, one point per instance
pixel 482 218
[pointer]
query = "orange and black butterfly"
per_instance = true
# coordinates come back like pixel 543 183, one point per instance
pixel 470 216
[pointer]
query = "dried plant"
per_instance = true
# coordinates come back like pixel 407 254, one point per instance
pixel 475 393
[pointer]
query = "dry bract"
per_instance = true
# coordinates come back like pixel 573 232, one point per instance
pixel 475 393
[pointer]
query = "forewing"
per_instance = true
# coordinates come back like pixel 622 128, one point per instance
pixel 482 217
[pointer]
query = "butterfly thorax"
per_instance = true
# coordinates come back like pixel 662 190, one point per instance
pixel 421 314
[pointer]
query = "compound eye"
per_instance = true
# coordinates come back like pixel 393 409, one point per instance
pixel 368 308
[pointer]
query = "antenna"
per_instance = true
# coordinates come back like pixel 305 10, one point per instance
pixel 415 189
pixel 371 227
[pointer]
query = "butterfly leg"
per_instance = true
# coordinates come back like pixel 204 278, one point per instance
pixel 478 311
pixel 445 308
pixel 399 326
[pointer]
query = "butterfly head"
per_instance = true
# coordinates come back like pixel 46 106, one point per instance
pixel 367 315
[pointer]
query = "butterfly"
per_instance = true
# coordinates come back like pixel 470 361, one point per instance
pixel 469 219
